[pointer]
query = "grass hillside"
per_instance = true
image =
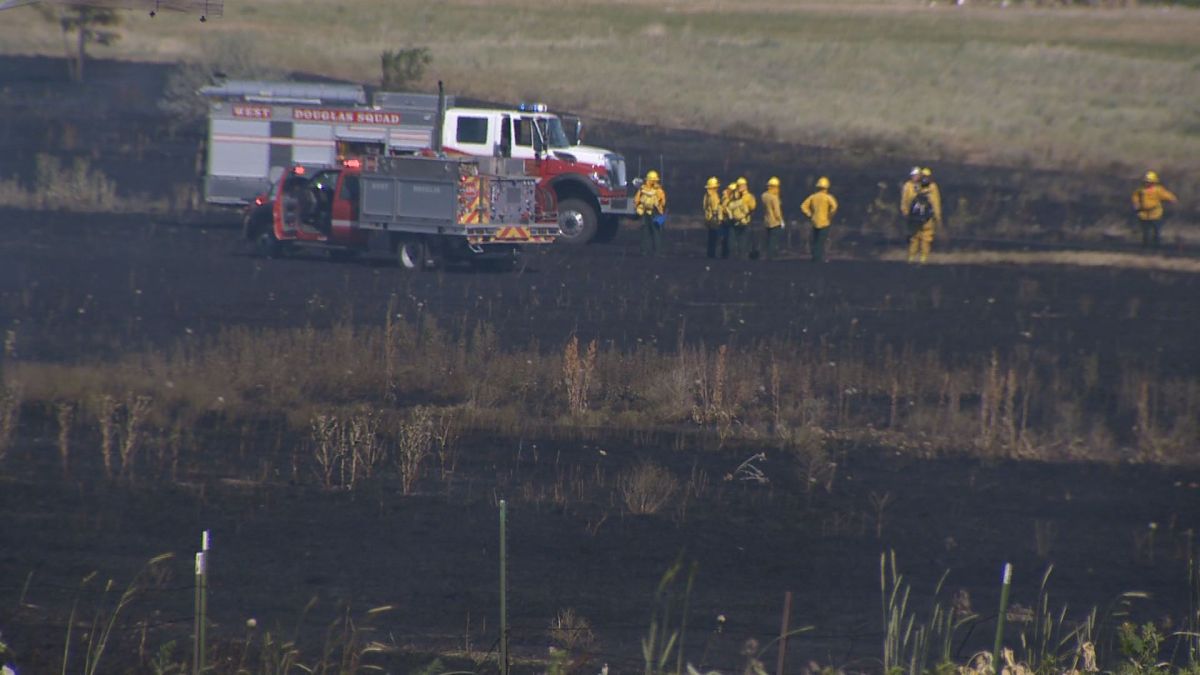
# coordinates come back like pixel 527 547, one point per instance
pixel 1086 88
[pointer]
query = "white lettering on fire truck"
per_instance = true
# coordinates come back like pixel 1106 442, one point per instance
pixel 258 112
pixel 346 116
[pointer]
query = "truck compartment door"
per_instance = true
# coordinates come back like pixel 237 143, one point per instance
pixel 240 148
pixel 312 144
pixel 423 204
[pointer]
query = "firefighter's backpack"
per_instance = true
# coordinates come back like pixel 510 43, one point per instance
pixel 921 209
pixel 647 200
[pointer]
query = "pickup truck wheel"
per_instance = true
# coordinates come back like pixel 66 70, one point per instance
pixel 266 245
pixel 578 221
pixel 414 254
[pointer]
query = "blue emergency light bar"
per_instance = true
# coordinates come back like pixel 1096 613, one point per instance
pixel 533 107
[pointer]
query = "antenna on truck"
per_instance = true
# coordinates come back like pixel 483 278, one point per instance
pixel 440 124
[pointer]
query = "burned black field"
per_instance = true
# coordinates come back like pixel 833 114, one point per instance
pixel 88 290
pixel 781 425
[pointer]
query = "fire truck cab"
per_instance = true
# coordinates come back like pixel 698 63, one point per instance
pixel 588 182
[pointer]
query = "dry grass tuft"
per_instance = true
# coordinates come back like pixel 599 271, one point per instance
pixel 10 416
pixel 647 488
pixel 577 374
pixel 415 438
pixel 65 414
pixel 105 410
pixel 571 632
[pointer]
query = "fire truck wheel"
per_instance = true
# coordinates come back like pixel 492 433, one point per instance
pixel 578 221
pixel 414 254
pixel 267 246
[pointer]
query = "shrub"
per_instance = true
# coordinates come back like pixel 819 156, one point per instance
pixel 403 68
pixel 577 374
pixel 10 413
pixel 414 441
pixel 571 631
pixel 647 488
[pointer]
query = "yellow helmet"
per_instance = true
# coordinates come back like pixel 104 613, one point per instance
pixel 651 176
pixel 713 183
pixel 1151 177
pixel 742 182
pixel 773 182
pixel 731 187
pixel 823 183
pixel 927 172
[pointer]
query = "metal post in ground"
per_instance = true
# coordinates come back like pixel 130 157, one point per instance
pixel 503 590
pixel 199 635
pixel 204 541
pixel 783 632
pixel 197 620
pixel 1005 583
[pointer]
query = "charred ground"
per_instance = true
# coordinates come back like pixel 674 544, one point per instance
pixel 93 288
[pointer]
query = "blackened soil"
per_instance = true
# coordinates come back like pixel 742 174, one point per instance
pixel 82 287
pixel 79 287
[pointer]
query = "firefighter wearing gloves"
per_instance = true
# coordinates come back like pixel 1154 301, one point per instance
pixel 819 208
pixel 714 219
pixel 651 207
pixel 1148 207
pixel 772 218
pixel 924 216
pixel 741 211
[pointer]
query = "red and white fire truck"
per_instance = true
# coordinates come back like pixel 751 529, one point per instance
pixel 427 210
pixel 256 130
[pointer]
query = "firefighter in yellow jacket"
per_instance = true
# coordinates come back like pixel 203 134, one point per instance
pixel 651 207
pixel 819 208
pixel 772 218
pixel 1148 207
pixel 741 210
pixel 727 197
pixel 923 212
pixel 714 219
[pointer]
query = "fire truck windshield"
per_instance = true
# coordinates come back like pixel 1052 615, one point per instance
pixel 552 132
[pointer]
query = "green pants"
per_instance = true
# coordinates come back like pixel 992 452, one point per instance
pixel 771 241
pixel 819 236
pixel 651 235
pixel 739 241
pixel 1151 233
